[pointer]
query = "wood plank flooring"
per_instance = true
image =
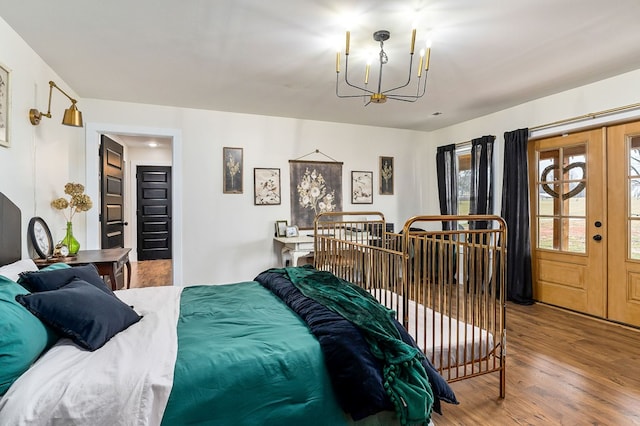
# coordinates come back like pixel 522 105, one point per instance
pixel 151 273
pixel 563 368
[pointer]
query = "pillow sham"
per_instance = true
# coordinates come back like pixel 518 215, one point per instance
pixel 23 337
pixel 80 311
pixel 53 279
pixel 13 270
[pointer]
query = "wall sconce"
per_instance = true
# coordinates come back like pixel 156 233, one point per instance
pixel 72 117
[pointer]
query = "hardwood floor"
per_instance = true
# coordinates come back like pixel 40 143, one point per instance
pixel 563 368
pixel 151 273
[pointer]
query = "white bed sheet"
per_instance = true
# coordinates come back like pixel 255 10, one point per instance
pixel 126 382
pixel 453 341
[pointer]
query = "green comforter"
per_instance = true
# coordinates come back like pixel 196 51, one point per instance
pixel 244 358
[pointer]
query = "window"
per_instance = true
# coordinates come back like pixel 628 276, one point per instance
pixel 463 166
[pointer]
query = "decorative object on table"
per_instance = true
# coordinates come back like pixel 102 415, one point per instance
pixel 375 94
pixel 5 107
pixel 316 187
pixel 291 231
pixel 72 117
pixel 361 187
pixel 40 237
pixel 281 228
pixel 386 175
pixel 78 202
pixel 266 186
pixel 232 170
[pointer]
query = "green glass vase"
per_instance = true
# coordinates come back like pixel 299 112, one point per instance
pixel 70 241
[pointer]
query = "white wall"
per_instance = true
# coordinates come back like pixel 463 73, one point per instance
pixel 41 158
pixel 225 237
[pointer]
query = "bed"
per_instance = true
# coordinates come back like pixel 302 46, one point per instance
pixel 442 275
pixel 237 354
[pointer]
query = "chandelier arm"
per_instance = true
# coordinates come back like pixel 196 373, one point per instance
pixel 346 77
pixel 408 78
pixel 346 96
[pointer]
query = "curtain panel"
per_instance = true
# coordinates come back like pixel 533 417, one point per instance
pixel 447 181
pixel 481 197
pixel 515 212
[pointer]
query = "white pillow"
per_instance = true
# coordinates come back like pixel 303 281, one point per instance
pixel 13 270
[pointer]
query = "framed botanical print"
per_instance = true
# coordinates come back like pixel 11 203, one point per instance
pixel 361 187
pixel 232 170
pixel 266 186
pixel 386 175
pixel 316 187
pixel 5 98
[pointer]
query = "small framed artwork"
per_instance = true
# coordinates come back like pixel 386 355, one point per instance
pixel 5 97
pixel 281 228
pixel 291 231
pixel 266 187
pixel 361 187
pixel 386 175
pixel 232 170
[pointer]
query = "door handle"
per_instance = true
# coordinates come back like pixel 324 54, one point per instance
pixel 597 237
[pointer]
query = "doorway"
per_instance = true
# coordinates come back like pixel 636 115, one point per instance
pixel 153 212
pixel 585 210
pixel 94 132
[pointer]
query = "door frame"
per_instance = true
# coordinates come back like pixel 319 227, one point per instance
pixel 92 187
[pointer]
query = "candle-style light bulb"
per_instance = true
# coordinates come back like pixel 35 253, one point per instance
pixel 366 71
pixel 338 61
pixel 346 50
pixel 413 40
pixel 421 62
pixel 427 55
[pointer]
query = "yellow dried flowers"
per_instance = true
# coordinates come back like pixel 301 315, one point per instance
pixel 78 202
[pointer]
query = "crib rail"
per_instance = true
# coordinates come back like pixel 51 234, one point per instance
pixel 444 281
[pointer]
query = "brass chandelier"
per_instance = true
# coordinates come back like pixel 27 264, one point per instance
pixel 377 95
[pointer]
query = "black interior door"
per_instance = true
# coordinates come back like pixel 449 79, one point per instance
pixel 154 212
pixel 112 197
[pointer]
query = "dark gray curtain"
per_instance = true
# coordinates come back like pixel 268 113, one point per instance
pixel 481 201
pixel 447 181
pixel 515 212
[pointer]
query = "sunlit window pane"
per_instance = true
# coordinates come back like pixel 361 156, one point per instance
pixel 576 235
pixel 634 197
pixel 547 165
pixel 546 233
pixel 634 157
pixel 547 198
pixel 634 239
pixel 577 204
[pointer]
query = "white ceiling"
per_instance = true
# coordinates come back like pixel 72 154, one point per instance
pixel 277 57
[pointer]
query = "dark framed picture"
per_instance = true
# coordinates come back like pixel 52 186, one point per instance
pixel 40 237
pixel 266 187
pixel 316 187
pixel 281 228
pixel 5 97
pixel 361 187
pixel 386 175
pixel 232 170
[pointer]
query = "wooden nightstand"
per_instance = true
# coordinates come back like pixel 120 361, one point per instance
pixel 109 262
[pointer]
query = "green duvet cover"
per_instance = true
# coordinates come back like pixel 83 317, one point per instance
pixel 244 358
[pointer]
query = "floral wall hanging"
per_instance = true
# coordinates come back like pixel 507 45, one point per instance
pixel 316 187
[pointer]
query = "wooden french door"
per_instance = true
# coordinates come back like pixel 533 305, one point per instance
pixel 585 210
pixel 624 223
pixel 569 227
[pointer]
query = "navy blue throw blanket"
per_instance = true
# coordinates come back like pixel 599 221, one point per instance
pixel 356 374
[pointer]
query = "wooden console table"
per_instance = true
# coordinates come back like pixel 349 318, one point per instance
pixel 109 262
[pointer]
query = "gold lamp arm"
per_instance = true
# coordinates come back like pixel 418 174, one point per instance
pixel 72 117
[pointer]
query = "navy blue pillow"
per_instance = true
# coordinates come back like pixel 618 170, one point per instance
pixel 80 311
pixel 38 281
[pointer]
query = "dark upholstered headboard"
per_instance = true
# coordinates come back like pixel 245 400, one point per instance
pixel 10 231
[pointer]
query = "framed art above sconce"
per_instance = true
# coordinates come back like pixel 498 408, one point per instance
pixel 5 107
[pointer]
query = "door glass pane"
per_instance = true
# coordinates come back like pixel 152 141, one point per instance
pixel 576 204
pixel 634 236
pixel 634 157
pixel 576 234
pixel 634 197
pixel 562 199
pixel 546 233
